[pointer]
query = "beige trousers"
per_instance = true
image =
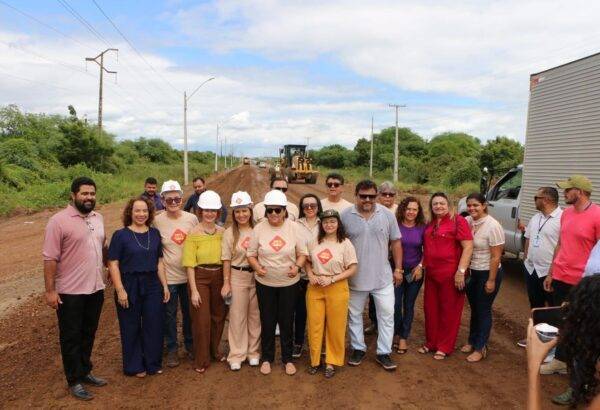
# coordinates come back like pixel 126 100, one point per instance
pixel 244 318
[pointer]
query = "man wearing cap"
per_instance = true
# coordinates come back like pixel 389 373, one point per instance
pixel 191 205
pixel 280 184
pixel 174 226
pixel 579 232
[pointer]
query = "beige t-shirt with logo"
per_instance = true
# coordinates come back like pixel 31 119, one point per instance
pixel 330 258
pixel 310 234
pixel 338 206
pixel 236 255
pixel 276 249
pixel 258 212
pixel 172 234
pixel 486 232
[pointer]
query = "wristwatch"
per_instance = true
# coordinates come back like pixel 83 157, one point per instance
pixel 397 270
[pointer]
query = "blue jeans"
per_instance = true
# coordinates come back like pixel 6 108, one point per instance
pixel 178 292
pixel 481 307
pixel 404 306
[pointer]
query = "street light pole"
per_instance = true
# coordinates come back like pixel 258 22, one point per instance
pixel 185 139
pixel 217 151
pixel 396 106
pixel 371 160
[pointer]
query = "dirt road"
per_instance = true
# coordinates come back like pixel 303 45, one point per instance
pixel 31 372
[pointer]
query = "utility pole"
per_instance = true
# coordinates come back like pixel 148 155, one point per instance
pixel 225 158
pixel 371 160
pixel 396 106
pixel 185 139
pixel 102 70
pixel 217 151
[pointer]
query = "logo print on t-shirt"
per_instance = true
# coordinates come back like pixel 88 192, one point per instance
pixel 246 242
pixel 277 243
pixel 178 236
pixel 324 256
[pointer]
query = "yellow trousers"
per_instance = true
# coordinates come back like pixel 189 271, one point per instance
pixel 327 310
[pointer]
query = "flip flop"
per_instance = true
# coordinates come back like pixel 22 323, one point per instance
pixel 423 349
pixel 439 355
pixel 401 351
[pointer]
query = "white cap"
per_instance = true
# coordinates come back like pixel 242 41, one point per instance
pixel 240 199
pixel 171 186
pixel 209 200
pixel 275 197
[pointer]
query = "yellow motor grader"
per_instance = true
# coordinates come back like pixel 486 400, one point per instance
pixel 295 165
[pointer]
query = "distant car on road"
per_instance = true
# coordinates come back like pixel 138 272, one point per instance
pixel 262 164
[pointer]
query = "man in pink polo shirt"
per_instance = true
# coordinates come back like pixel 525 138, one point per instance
pixel 579 232
pixel 74 279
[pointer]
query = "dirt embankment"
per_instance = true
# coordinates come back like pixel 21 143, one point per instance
pixel 31 372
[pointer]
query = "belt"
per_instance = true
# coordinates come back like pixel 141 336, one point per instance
pixel 209 266
pixel 244 268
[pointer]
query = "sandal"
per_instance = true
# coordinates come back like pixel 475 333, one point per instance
pixel 482 355
pixel 141 375
pixel 265 368
pixel 439 355
pixel 201 370
pixel 468 348
pixel 329 372
pixel 423 349
pixel 401 351
pixel 290 369
pixel 312 370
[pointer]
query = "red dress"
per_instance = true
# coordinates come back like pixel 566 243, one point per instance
pixel 442 301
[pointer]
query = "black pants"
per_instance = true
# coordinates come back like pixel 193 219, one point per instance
pixel 276 305
pixel 78 317
pixel 300 313
pixel 560 295
pixel 538 297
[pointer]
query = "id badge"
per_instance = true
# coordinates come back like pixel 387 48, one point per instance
pixel 536 241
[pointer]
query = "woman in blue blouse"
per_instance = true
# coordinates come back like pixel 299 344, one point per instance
pixel 137 272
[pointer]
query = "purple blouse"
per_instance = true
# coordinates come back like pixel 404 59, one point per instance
pixel 412 245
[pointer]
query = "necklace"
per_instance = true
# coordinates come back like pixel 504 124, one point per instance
pixel 209 233
pixel 147 247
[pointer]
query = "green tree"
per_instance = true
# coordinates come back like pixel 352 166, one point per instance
pixel 334 156
pixel 501 154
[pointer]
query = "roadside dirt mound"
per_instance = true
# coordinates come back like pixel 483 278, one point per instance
pixel 31 372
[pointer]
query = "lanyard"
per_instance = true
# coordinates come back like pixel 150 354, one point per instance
pixel 541 225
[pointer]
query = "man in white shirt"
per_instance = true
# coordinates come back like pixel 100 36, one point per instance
pixel 335 189
pixel 541 237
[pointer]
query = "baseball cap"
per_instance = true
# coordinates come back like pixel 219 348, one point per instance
pixel 329 213
pixel 576 181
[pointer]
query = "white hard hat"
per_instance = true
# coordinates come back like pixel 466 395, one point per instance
pixel 275 197
pixel 171 186
pixel 209 200
pixel 240 199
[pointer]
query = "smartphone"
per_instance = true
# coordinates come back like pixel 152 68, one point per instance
pixel 554 316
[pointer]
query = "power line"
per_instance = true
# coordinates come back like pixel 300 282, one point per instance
pixel 35 82
pixel 83 21
pixel 133 47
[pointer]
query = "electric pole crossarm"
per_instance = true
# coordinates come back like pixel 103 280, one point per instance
pixel 102 71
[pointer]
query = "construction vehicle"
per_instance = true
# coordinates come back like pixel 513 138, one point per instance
pixel 246 161
pixel 294 165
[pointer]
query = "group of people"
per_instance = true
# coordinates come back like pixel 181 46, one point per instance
pixel 304 272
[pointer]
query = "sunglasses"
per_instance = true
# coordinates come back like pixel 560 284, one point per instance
pixel 366 197
pixel 333 184
pixel 172 201
pixel 281 189
pixel 388 194
pixel 309 206
pixel 276 210
pixel 535 198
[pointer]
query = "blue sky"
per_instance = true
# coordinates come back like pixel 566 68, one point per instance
pixel 289 70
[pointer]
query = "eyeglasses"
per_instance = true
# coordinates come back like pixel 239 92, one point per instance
pixel 309 206
pixel 276 210
pixel 388 194
pixel 172 201
pixel 333 184
pixel 282 189
pixel 366 197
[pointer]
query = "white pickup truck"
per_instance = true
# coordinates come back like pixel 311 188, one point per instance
pixel 562 139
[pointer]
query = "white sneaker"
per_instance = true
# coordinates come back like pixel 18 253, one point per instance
pixel 235 366
pixel 555 366
pixel 254 362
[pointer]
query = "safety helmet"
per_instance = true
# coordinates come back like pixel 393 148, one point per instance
pixel 240 199
pixel 171 186
pixel 209 200
pixel 275 198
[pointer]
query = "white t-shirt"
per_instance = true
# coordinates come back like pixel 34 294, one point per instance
pixel 543 234
pixel 487 232
pixel 338 206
